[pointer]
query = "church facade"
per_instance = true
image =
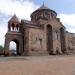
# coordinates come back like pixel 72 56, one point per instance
pixel 43 35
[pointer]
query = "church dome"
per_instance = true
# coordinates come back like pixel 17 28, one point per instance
pixel 43 13
pixel 43 7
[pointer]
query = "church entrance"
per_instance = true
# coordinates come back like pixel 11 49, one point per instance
pixel 49 39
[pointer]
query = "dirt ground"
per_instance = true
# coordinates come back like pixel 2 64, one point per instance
pixel 38 65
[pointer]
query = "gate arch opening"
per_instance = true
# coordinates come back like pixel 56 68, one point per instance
pixel 14 47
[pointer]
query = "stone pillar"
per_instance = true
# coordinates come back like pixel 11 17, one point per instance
pixel 63 42
pixel 6 47
pixel 56 41
pixel 26 41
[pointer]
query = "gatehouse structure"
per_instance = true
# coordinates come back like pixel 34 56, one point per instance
pixel 43 35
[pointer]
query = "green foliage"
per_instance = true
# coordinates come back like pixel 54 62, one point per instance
pixel 1 49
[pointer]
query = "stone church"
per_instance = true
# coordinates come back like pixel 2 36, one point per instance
pixel 43 35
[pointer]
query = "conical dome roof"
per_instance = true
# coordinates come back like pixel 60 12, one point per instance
pixel 43 7
pixel 14 19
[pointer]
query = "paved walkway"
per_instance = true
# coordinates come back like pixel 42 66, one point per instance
pixel 41 65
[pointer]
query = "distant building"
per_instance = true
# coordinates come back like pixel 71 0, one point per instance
pixel 43 35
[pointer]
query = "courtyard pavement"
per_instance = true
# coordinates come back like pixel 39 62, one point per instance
pixel 38 65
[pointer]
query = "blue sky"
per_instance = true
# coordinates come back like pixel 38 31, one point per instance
pixel 61 6
pixel 23 9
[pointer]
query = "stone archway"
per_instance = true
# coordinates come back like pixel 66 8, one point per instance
pixel 49 39
pixel 17 38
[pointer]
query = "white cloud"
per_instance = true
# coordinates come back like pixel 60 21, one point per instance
pixel 69 21
pixel 22 8
pixel 3 30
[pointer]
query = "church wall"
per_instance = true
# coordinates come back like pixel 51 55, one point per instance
pixel 56 41
pixel 37 41
pixel 70 42
pixel 56 25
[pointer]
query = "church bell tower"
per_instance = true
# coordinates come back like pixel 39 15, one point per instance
pixel 14 34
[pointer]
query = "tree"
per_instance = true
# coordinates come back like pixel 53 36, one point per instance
pixel 1 49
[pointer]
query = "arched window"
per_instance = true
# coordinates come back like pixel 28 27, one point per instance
pixel 14 27
pixel 17 28
pixel 46 15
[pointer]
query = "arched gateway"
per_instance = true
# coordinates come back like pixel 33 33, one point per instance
pixel 14 34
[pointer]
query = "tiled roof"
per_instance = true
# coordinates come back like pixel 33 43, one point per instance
pixel 14 19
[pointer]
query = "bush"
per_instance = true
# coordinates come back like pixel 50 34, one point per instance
pixel 1 50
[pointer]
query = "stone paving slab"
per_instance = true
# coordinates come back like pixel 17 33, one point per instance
pixel 40 65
